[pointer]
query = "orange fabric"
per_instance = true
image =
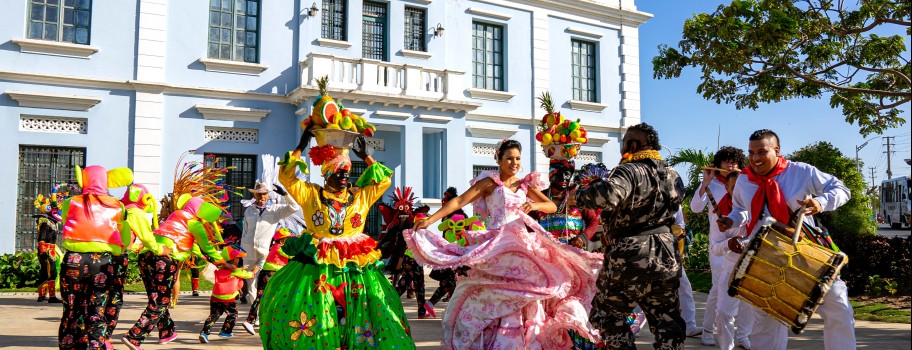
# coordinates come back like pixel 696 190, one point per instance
pixel 98 223
pixel 360 250
pixel 275 257
pixel 177 228
pixel 226 284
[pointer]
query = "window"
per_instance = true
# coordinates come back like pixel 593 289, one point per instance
pixel 415 29
pixel 374 223
pixel 334 20
pixel 583 60
pixel 477 169
pixel 374 27
pixel 487 59
pixel 40 168
pixel 60 20
pixel 242 172
pixel 234 30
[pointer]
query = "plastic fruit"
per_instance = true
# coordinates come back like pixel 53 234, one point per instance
pixel 539 136
pixel 574 125
pixel 333 126
pixel 345 123
pixel 547 139
pixel 368 132
pixel 582 139
pixel 575 134
pixel 346 113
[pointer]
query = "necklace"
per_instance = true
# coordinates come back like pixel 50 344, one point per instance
pixel 640 155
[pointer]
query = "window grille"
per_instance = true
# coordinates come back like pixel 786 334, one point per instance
pixel 40 168
pixel 583 61
pixel 60 20
pixel 373 224
pixel 483 150
pixel 487 56
pixel 234 30
pixel 53 124
pixel 212 133
pixel 242 172
pixel 374 30
pixel 415 28
pixel 334 20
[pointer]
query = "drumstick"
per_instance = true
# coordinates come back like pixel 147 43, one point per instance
pixel 712 200
pixel 800 222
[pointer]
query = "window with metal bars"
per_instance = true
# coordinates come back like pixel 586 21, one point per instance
pixel 242 172
pixel 334 20
pixel 60 20
pixel 234 30
pixel 40 168
pixel 487 56
pixel 583 60
pixel 374 31
pixel 374 223
pixel 477 169
pixel 415 28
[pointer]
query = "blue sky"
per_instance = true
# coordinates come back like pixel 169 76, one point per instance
pixel 685 120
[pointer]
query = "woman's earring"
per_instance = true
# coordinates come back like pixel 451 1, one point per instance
pixel 520 170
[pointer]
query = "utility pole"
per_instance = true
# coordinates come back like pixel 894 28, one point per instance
pixel 889 168
pixel 872 176
pixel 857 162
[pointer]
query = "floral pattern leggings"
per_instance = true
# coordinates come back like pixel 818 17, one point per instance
pixel 412 274
pixel 216 309
pixel 85 285
pixel 115 302
pixel 158 277
pixel 262 278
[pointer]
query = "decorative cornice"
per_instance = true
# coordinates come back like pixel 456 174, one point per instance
pixel 487 13
pixel 493 95
pixel 53 101
pixel 237 114
pixel 55 48
pixel 339 44
pixel 586 106
pixel 490 132
pixel 304 93
pixel 583 32
pixel 415 54
pixel 236 67
pixel 434 118
pixel 393 115
pixel 499 118
pixel 601 11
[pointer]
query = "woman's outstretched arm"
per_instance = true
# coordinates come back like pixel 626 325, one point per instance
pixel 481 188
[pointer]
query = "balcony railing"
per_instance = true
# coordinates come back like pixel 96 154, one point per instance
pixel 373 76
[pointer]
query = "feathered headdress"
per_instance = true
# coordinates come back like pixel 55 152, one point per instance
pixel 198 179
pixel 403 197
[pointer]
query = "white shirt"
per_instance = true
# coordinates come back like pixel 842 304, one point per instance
pixel 797 181
pixel 259 228
pixel 698 203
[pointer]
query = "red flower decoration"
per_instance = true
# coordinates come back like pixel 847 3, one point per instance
pixel 320 154
pixel 356 220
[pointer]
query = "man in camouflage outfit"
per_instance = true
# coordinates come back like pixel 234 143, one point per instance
pixel 639 200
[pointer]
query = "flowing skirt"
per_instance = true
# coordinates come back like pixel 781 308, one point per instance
pixel 525 290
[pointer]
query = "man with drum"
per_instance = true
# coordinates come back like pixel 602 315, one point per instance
pixel 774 186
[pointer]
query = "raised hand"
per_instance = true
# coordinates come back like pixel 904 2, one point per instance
pixel 361 148
pixel 279 190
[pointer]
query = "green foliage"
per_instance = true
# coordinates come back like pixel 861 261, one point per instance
pixel 761 51
pixel 697 258
pixel 855 216
pixel 19 270
pixel 878 286
pixel 696 159
pixel 881 313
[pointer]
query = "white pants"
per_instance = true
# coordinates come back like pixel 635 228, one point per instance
pixel 709 314
pixel 252 259
pixel 688 306
pixel 731 311
pixel 838 324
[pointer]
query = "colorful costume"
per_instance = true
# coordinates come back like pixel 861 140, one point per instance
pixel 453 228
pixel 275 260
pixel 225 290
pixel 569 221
pixel 91 235
pixel 332 294
pixel 48 226
pixel 525 290
pixel 179 232
pixel 406 272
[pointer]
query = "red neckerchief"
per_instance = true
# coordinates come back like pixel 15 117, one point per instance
pixel 725 204
pixel 769 193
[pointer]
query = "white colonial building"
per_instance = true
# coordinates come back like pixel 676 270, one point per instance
pixel 138 82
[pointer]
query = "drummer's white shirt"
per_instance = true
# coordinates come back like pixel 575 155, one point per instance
pixel 798 180
pixel 697 204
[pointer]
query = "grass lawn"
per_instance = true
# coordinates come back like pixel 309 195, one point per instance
pixel 872 311
pixel 700 281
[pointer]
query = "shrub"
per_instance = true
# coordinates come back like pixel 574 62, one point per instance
pixel 19 270
pixel 887 258
pixel 697 258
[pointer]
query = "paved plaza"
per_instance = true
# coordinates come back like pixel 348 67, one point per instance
pixel 30 325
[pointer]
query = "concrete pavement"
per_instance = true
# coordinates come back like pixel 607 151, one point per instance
pixel 30 325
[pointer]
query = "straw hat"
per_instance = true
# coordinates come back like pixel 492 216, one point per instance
pixel 259 188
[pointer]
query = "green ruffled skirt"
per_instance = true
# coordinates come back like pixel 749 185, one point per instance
pixel 302 308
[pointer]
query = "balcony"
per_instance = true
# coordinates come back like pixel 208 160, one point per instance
pixel 377 82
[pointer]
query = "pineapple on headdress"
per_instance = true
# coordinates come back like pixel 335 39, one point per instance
pixel 331 115
pixel 560 137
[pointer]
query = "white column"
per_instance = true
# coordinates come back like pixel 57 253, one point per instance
pixel 630 76
pixel 541 81
pixel 149 108
pixel 412 143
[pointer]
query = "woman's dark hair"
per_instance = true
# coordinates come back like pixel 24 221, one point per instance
pixel 506 145
pixel 450 193
pixel 652 136
pixel 729 154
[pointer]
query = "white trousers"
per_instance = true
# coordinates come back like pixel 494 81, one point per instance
pixel 252 259
pixel 838 324
pixel 688 306
pixel 709 314
pixel 731 311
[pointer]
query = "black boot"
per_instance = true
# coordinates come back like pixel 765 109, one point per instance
pixel 42 298
pixel 54 300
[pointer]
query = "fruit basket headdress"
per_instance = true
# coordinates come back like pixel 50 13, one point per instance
pixel 560 138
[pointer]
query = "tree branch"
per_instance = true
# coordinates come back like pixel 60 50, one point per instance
pixel 846 88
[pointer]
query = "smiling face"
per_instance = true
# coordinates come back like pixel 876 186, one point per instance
pixel 509 162
pixel 338 181
pixel 763 154
pixel 559 176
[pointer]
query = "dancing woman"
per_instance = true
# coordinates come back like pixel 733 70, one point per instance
pixel 525 289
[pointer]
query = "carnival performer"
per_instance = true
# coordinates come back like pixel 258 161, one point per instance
pixel 274 261
pixel 178 233
pixel 639 199
pixel 225 290
pixel 568 223
pixel 446 277
pixel 93 222
pixel 772 186
pixel 260 222
pixel 48 227
pixel 332 294
pixel 406 273
pixel 525 290
pixel 726 160
pixel 141 217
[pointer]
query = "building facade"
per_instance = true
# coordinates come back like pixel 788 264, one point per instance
pixel 138 83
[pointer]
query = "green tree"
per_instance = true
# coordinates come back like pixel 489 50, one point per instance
pixel 696 160
pixel 760 51
pixel 854 217
pixel 698 223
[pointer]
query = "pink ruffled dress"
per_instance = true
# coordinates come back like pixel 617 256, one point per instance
pixel 525 290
